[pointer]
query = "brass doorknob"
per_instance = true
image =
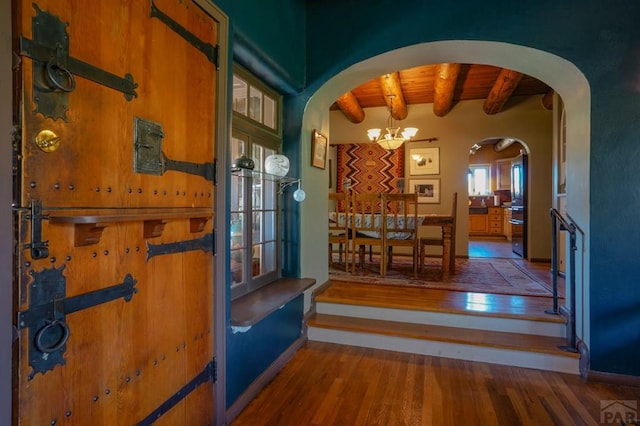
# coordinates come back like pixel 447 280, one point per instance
pixel 47 141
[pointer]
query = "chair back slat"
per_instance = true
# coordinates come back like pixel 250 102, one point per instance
pixel 401 225
pixel 367 211
pixel 338 212
pixel 401 213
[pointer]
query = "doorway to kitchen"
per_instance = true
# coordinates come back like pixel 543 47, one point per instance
pixel 491 194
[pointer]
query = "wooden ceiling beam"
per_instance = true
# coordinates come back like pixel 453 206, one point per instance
pixel 350 107
pixel 444 88
pixel 393 96
pixel 547 100
pixel 502 89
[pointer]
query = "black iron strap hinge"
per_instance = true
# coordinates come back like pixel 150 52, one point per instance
pixel 207 375
pixel 54 70
pixel 209 50
pixel 204 243
pixel 46 316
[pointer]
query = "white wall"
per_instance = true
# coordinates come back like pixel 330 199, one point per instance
pixel 466 124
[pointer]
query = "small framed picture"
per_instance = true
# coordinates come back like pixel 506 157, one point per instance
pixel 428 190
pixel 319 145
pixel 424 161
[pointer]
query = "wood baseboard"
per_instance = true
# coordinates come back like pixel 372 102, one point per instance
pixel 540 260
pixel 263 380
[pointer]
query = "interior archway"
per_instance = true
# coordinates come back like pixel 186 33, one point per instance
pixel 564 77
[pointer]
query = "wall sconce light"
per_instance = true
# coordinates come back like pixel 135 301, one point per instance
pixel 299 195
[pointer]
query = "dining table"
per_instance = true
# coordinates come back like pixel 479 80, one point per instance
pixel 444 221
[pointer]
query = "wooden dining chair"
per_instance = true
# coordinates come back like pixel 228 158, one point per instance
pixel 401 227
pixel 423 242
pixel 367 212
pixel 339 222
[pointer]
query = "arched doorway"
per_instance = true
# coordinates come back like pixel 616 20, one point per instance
pixel 568 82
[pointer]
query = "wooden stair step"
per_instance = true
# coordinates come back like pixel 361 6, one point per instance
pixel 439 300
pixel 492 339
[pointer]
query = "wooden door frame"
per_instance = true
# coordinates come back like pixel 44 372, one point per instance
pixel 222 135
pixel 6 232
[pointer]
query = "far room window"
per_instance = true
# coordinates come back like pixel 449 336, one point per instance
pixel 479 179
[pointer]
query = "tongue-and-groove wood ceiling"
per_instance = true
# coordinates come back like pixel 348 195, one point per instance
pixel 443 85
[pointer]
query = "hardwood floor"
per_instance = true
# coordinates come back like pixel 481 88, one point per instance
pixel 333 384
pixel 329 384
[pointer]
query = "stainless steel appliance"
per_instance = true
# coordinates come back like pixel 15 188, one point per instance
pixel 519 205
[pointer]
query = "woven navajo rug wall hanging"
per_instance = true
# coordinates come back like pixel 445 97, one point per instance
pixel 371 168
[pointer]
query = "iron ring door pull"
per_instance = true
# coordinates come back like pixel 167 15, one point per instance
pixel 55 71
pixel 41 334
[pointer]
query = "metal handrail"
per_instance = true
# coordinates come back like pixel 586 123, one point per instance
pixel 559 223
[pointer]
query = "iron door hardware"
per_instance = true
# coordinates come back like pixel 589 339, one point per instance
pixel 209 50
pixel 206 170
pixel 54 69
pixel 208 374
pixel 46 316
pixel 39 248
pixel 148 157
pixel 205 243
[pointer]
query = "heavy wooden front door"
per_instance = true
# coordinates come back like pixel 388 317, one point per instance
pixel 114 106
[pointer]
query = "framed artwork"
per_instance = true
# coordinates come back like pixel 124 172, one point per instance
pixel 319 145
pixel 428 190
pixel 424 161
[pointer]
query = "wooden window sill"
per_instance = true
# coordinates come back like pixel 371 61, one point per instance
pixel 253 307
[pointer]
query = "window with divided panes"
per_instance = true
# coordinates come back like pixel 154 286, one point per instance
pixel 254 257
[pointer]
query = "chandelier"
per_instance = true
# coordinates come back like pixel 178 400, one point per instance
pixel 394 137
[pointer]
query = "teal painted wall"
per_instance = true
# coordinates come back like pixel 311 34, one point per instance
pixel 268 38
pixel 250 353
pixel 601 38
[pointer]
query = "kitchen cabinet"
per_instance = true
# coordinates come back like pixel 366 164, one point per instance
pixel 495 221
pixel 489 224
pixel 503 174
pixel 478 224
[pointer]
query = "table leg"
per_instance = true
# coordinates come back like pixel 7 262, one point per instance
pixel 446 250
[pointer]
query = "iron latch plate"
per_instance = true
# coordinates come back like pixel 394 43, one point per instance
pixel 148 157
pixel 147 152
pixel 46 316
pixel 39 249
